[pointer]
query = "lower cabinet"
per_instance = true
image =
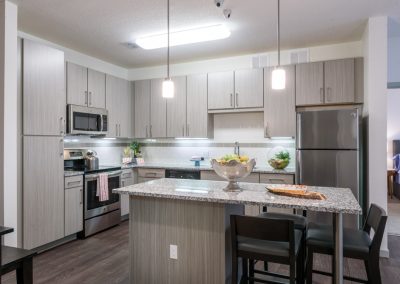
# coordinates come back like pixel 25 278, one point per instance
pixel 127 179
pixel 146 174
pixel 277 179
pixel 73 204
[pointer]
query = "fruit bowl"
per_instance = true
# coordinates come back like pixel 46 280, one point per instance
pixel 232 171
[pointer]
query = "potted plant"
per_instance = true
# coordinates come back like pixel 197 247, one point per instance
pixel 135 147
pixel 280 160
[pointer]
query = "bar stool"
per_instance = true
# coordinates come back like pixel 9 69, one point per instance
pixel 266 239
pixel 357 244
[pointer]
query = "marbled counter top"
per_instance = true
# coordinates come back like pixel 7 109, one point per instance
pixel 72 173
pixel 339 200
pixel 206 167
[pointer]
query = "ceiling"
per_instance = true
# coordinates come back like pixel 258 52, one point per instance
pixel 100 27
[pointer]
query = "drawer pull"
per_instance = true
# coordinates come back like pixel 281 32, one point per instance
pixel 279 180
pixel 150 175
pixel 70 183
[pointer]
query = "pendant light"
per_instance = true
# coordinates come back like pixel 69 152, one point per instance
pixel 278 74
pixel 168 88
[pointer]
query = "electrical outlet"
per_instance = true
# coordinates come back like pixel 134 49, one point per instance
pixel 173 251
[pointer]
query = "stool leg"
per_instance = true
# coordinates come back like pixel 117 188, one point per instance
pixel 373 272
pixel 245 271
pixel 234 270
pixel 25 272
pixel 265 266
pixel 309 266
pixel 292 272
pixel 300 267
pixel 251 270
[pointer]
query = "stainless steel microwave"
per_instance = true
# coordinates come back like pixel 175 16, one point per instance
pixel 87 120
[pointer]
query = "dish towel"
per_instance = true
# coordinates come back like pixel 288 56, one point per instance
pixel 102 187
pixel 396 166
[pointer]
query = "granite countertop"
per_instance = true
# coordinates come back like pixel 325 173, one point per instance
pixel 73 173
pixel 205 167
pixel 339 200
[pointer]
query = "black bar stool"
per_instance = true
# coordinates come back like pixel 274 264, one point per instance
pixel 266 239
pixel 357 244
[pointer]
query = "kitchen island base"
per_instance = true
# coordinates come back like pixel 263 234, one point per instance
pixel 200 230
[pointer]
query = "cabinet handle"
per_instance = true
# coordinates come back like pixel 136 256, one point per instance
pixel 328 94
pixel 116 129
pixel 119 130
pixel 183 130
pixel 231 100
pixel 90 98
pixel 321 95
pixel 151 130
pixel 61 125
pixel 86 97
pixel 71 183
pixel 187 129
pixel 276 180
pixel 81 197
pixel 266 130
pixel 147 132
pixel 61 148
pixel 237 99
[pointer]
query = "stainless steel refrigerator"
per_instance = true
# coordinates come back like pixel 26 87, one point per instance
pixel 328 154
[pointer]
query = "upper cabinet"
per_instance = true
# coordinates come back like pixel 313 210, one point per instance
pixel 44 91
pixel 158 117
pixel 279 106
pixel 142 109
pixel 85 87
pixel 176 109
pixel 241 89
pixel 331 82
pixel 119 103
pixel 199 122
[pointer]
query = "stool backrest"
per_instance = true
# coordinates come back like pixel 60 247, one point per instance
pixel 376 219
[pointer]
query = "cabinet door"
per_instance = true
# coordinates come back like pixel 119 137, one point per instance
pixel 309 83
pixel 199 122
pixel 125 197
pixel 113 102
pixel 221 90
pixel 126 111
pixel 279 106
pixel 249 88
pixel 96 89
pixel 73 210
pixel 176 109
pixel 77 84
pixel 142 109
pixel 158 110
pixel 339 81
pixel 43 190
pixel 44 102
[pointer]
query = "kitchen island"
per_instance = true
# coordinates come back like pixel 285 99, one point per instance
pixel 194 216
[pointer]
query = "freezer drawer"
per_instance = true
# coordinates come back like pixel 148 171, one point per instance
pixel 328 129
pixel 336 168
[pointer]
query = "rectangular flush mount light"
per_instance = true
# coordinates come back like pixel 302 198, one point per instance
pixel 195 35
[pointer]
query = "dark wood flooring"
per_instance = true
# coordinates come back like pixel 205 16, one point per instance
pixel 104 258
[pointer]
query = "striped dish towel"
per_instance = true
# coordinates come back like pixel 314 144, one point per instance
pixel 102 187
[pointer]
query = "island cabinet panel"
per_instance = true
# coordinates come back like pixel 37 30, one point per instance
pixel 127 179
pixel 176 109
pixel 339 81
pixel 279 106
pixel 249 88
pixel 198 229
pixel 158 108
pixel 221 90
pixel 142 109
pixel 73 205
pixel 310 83
pixel 43 90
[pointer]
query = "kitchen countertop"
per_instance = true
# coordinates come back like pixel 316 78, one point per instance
pixel 177 166
pixel 73 173
pixel 339 200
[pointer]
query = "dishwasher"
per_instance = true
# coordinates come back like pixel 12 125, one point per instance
pixel 182 174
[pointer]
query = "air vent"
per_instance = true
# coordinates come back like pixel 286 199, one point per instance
pixel 260 61
pixel 299 56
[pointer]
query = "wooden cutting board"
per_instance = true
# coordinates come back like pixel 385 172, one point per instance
pixel 296 191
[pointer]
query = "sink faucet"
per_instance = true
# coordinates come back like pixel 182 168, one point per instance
pixel 236 149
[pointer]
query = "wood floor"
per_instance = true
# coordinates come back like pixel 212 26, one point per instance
pixel 103 258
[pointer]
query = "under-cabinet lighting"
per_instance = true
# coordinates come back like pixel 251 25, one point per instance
pixel 195 35
pixel 188 138
pixel 109 138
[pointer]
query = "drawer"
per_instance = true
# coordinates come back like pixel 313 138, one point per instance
pixel 211 175
pixel 277 178
pixel 151 173
pixel 142 179
pixel 127 174
pixel 74 181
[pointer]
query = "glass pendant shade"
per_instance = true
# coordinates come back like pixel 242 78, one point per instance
pixel 278 79
pixel 168 88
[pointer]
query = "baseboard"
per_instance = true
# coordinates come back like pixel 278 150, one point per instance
pixel 384 253
pixel 125 217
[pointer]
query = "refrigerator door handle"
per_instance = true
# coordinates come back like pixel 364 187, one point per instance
pixel 298 136
pixel 298 167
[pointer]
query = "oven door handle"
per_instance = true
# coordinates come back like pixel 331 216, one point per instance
pixel 110 174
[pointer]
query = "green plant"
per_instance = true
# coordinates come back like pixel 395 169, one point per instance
pixel 282 155
pixel 135 146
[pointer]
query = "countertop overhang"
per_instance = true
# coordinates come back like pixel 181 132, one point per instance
pixel 339 200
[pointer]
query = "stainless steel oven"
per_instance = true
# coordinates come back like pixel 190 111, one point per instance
pixel 100 215
pixel 87 120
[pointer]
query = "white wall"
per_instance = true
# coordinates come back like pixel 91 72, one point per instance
pixel 393 122
pixel 316 53
pixel 394 51
pixel 375 77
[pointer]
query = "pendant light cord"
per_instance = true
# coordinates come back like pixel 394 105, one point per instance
pixel 278 35
pixel 168 39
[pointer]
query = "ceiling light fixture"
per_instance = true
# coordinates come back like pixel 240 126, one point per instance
pixel 168 88
pixel 278 74
pixel 189 36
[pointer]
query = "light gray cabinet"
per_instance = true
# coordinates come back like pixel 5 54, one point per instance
pixel 142 109
pixel 43 190
pixel 339 81
pixel 240 89
pixel 127 179
pixel 120 107
pixel 249 88
pixel 85 87
pixel 279 106
pixel 147 174
pixel 199 122
pixel 73 205
pixel 158 110
pixel 43 90
pixel 221 90
pixel 310 83
pixel 176 109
